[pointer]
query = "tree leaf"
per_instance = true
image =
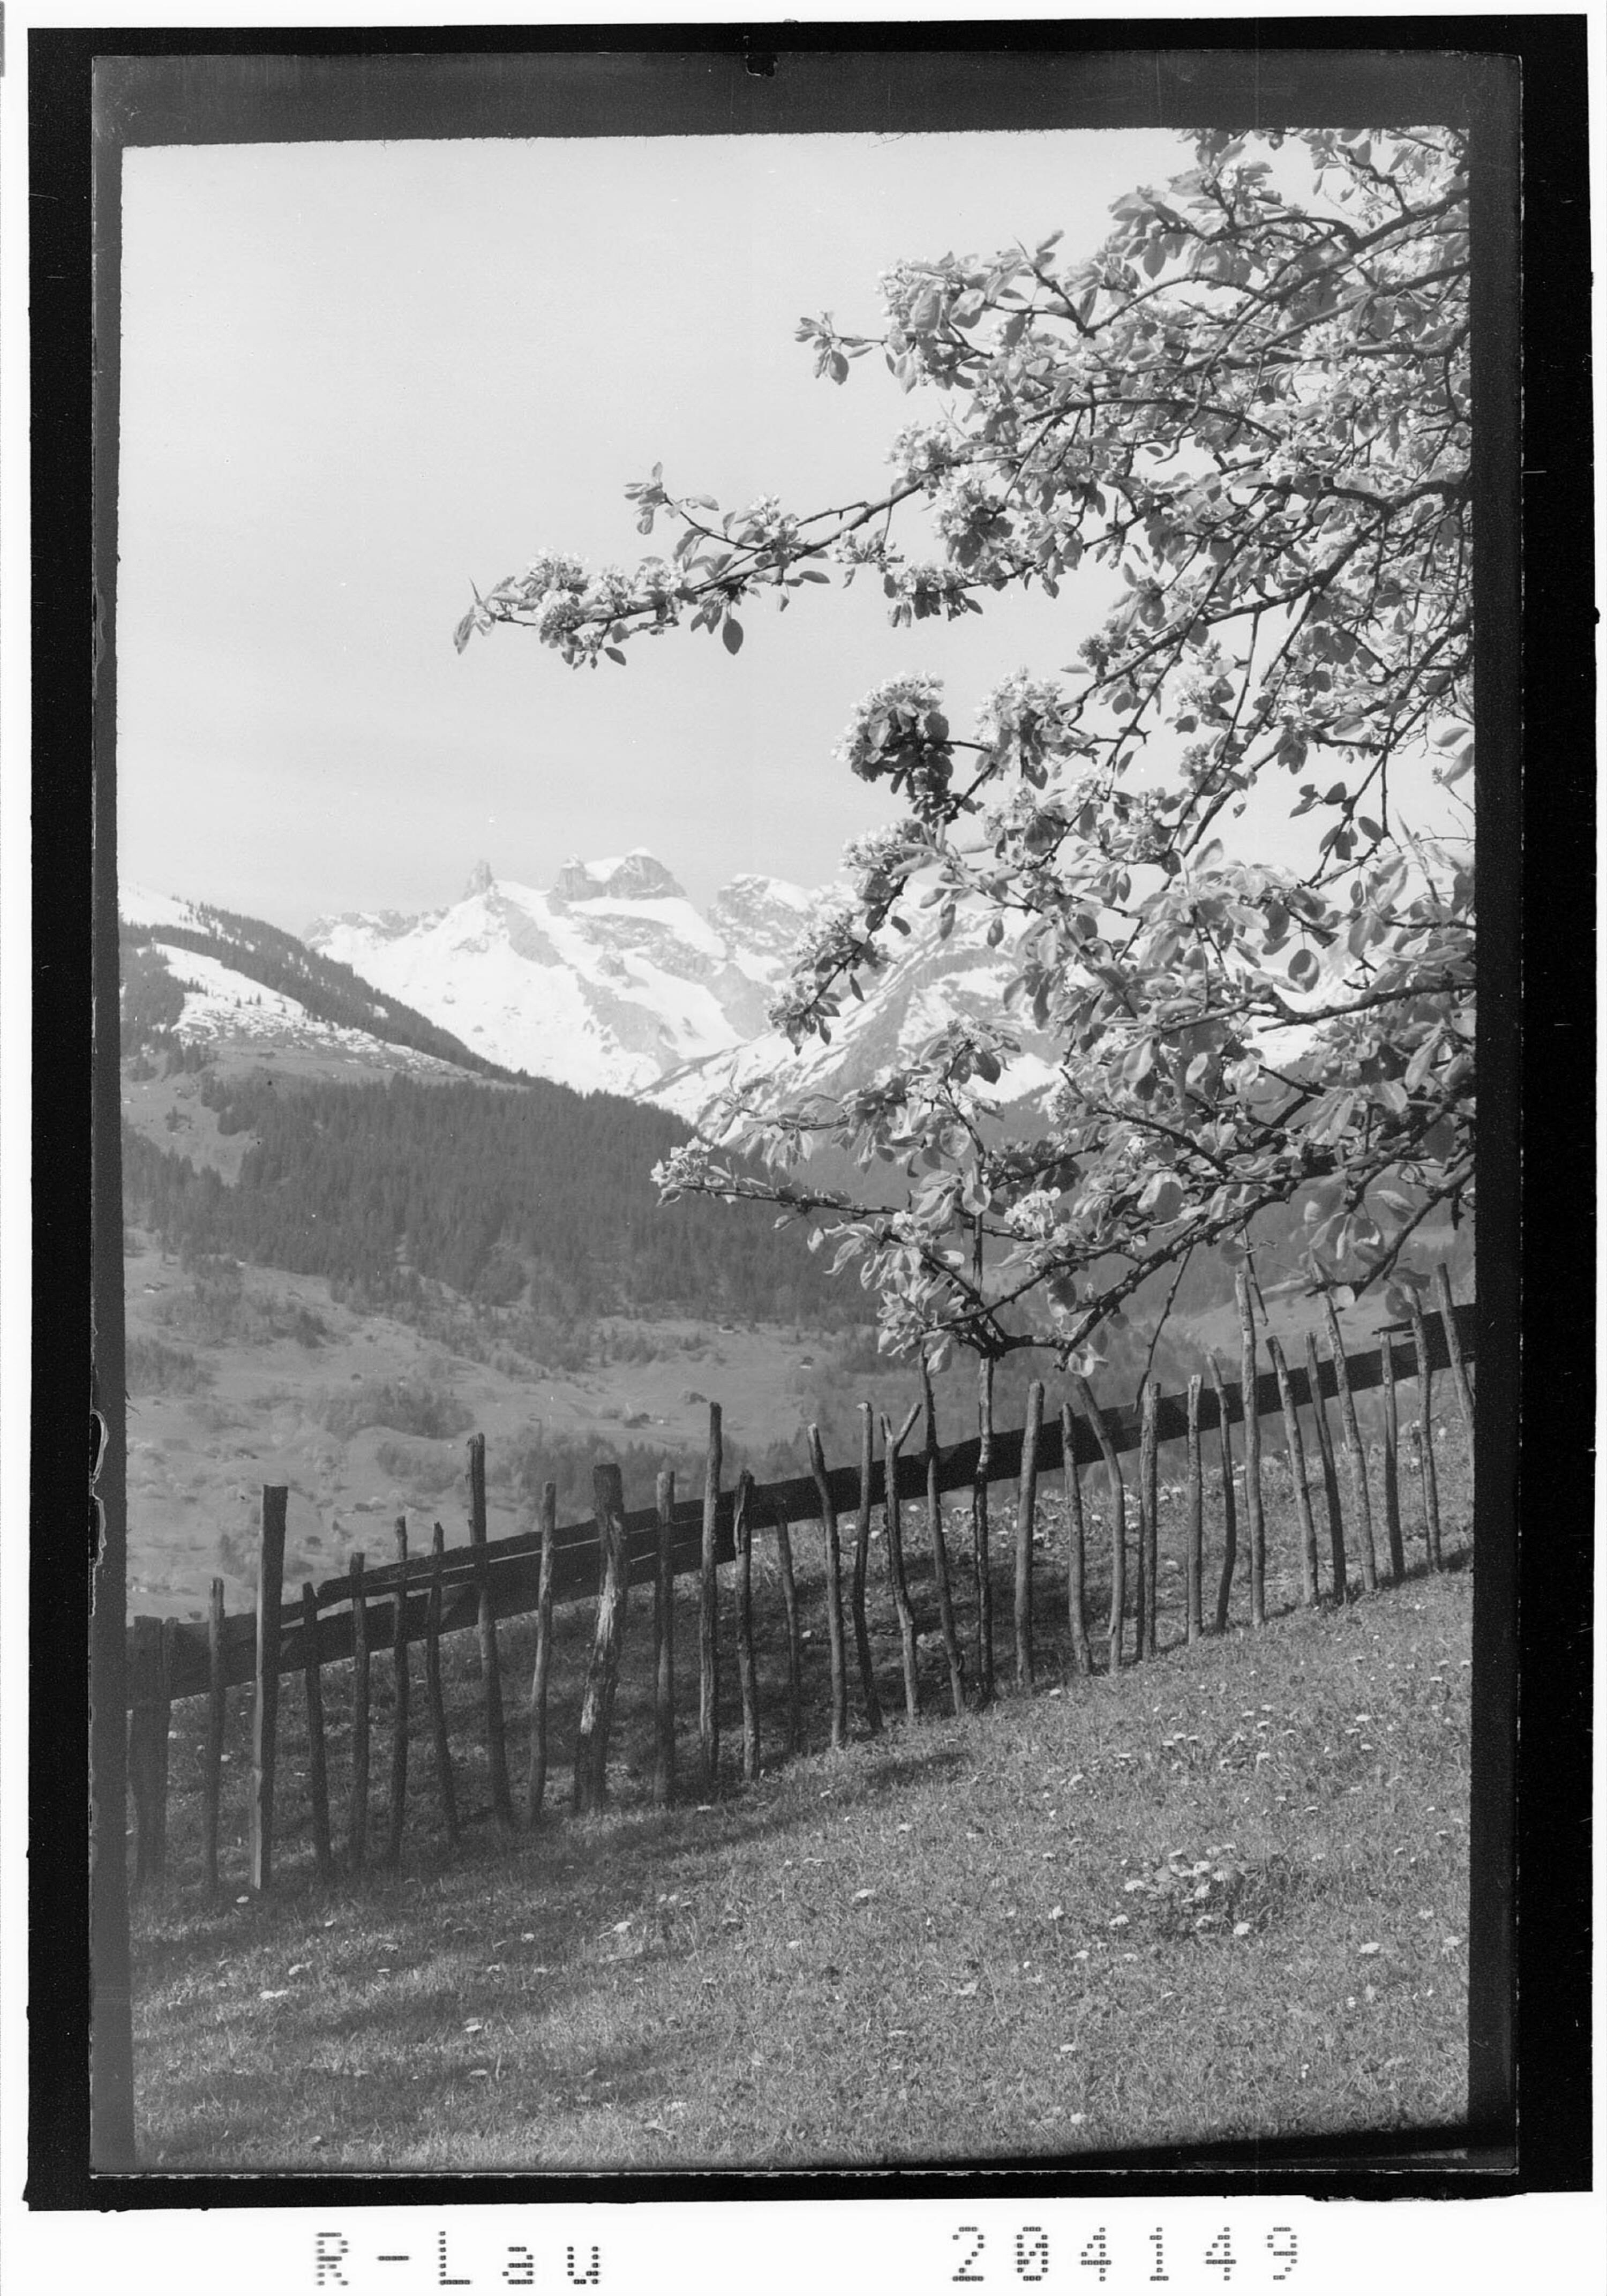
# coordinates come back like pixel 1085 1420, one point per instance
pixel 731 633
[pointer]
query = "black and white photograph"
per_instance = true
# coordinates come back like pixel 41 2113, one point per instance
pixel 797 1062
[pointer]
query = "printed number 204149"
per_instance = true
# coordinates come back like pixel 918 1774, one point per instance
pixel 1029 2262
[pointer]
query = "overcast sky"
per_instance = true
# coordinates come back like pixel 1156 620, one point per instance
pixel 357 377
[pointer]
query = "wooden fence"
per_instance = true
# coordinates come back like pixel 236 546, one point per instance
pixel 422 1598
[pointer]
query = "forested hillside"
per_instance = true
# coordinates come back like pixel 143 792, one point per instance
pixel 541 1194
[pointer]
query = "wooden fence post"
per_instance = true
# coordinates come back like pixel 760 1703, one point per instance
pixel 1195 1558
pixel 892 1442
pixel 663 1640
pixel 1425 1420
pixel 862 1555
pixel 146 1725
pixel 939 1553
pixel 357 1846
pixel 1082 1661
pixel 491 1664
pixel 1354 1455
pixel 828 1524
pixel 1391 1414
pixel 535 1777
pixel 1230 1510
pixel 317 1770
pixel 217 1707
pixel 789 1595
pixel 264 1723
pixel 603 1672
pixel 743 1528
pixel 432 1686
pixel 981 1558
pixel 1453 1341
pixel 399 1735
pixel 1296 1475
pixel 1149 1519
pixel 1255 1515
pixel 1118 1524
pixel 708 1655
pixel 1330 1489
pixel 1026 1516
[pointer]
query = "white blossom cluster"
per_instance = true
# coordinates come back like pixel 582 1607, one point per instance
pixel 894 697
pixel 880 862
pixel 554 570
pixel 923 452
pixel 682 1171
pixel 610 591
pixel 922 591
pixel 765 525
pixel 967 505
pixel 1025 718
pixel 1034 1216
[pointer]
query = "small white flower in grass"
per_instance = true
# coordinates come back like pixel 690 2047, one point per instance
pixel 269 1994
pixel 480 2073
pixel 1066 2048
pixel 1370 1948
pixel 862 1896
pixel 1350 2000
pixel 245 1901
pixel 475 2025
pixel 1119 1921
pixel 1057 1913
pixel 1137 1883
pixel 1076 2120
pixel 1241 1929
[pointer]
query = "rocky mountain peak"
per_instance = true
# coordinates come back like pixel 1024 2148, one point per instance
pixel 480 881
pixel 634 876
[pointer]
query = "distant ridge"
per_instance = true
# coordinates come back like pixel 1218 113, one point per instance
pixel 327 990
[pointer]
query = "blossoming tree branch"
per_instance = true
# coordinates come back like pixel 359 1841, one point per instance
pixel 1249 414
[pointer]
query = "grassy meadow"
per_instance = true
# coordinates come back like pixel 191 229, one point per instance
pixel 1223 1895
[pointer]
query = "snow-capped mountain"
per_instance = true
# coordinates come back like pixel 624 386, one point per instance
pixel 611 980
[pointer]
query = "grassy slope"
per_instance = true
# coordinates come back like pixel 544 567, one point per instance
pixel 959 1941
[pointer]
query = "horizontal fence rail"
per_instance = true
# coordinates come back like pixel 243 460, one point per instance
pixel 201 1660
